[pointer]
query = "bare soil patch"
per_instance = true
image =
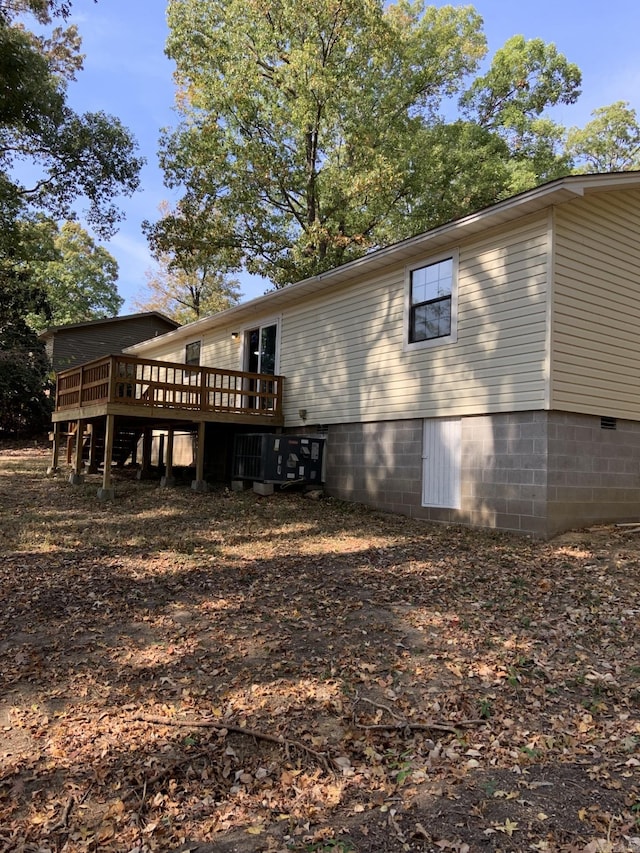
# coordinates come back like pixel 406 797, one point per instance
pixel 224 672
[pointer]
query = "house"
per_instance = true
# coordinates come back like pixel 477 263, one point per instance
pixel 485 372
pixel 77 343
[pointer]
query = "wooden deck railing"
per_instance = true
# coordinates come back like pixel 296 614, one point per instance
pixel 167 385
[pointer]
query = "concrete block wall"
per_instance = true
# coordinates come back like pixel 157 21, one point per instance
pixel 537 473
pixel 503 470
pixel 377 464
pixel 594 473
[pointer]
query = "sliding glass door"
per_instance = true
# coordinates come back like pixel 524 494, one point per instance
pixel 260 348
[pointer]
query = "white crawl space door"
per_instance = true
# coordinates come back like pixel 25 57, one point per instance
pixel 441 457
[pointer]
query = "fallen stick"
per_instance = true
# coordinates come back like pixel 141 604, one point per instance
pixel 419 727
pixel 63 821
pixel 378 705
pixel 255 733
pixel 405 724
pixel 158 777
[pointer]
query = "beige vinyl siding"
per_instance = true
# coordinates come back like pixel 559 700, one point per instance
pixel 218 349
pixel 344 358
pixel 596 331
pixel 163 351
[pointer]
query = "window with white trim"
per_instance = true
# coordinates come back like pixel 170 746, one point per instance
pixel 432 313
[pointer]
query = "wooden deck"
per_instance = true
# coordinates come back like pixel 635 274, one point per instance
pixel 160 390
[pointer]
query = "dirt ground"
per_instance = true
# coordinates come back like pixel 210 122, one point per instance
pixel 228 672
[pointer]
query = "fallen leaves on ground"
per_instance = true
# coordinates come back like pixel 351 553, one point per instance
pixel 223 671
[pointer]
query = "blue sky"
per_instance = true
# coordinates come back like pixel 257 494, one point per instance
pixel 127 74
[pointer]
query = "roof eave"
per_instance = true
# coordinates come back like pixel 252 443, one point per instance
pixel 530 201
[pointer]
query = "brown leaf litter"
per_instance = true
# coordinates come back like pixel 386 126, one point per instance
pixel 226 672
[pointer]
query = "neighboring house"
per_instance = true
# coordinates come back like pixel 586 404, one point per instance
pixel 77 343
pixel 485 372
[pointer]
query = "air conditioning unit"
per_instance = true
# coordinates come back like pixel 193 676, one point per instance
pixel 278 458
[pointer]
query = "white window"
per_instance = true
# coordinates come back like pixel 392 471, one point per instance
pixel 432 302
pixel 441 458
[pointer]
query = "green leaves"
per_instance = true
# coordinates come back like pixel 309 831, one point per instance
pixel 68 155
pixel 188 295
pixel 25 408
pixel 301 128
pixel 80 280
pixel 193 277
pixel 50 158
pixel 313 134
pixel 524 79
pixel 608 143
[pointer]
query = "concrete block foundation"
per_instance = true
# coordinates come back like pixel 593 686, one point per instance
pixel 537 473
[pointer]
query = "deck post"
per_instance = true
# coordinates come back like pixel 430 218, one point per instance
pixel 200 484
pixel 168 480
pixel 147 443
pixel 55 451
pixel 93 450
pixel 75 478
pixel 107 492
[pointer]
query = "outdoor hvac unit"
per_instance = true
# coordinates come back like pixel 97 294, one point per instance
pixel 269 458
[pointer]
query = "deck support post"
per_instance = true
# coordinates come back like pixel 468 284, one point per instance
pixel 200 484
pixel 55 451
pixel 93 450
pixel 168 480
pixel 107 492
pixel 76 478
pixel 147 443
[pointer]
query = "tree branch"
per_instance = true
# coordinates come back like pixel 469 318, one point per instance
pixel 221 727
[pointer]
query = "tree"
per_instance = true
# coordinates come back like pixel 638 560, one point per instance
pixel 312 134
pixel 608 143
pixel 300 130
pixel 524 79
pixel 187 296
pixel 25 406
pixel 43 10
pixel 80 282
pixel 70 156
pixel 194 279
pixel 67 157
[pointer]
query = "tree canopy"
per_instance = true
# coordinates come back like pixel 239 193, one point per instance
pixel 311 134
pixel 69 156
pixel 25 406
pixel 79 279
pixel 610 142
pixel 50 158
pixel 186 296
pixel 193 280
